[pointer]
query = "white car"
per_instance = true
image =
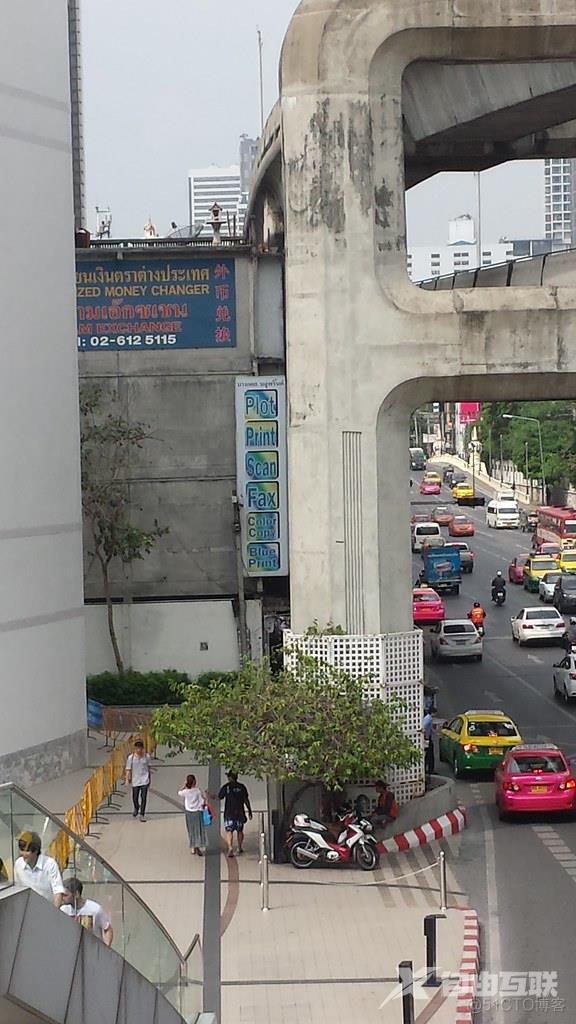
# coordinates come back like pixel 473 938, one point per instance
pixel 564 677
pixel 456 638
pixel 547 585
pixel 538 624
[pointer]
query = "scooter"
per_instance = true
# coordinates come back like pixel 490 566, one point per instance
pixel 311 842
pixel 499 597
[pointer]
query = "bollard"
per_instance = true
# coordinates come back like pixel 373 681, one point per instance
pixel 442 863
pixel 265 900
pixel 430 936
pixel 406 979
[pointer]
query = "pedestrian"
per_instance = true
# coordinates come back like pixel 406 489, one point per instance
pixel 428 731
pixel 236 803
pixel 90 914
pixel 138 776
pixel 36 871
pixel 194 803
pixel 386 810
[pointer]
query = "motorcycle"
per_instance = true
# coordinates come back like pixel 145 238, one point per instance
pixel 499 597
pixel 311 842
pixel 480 629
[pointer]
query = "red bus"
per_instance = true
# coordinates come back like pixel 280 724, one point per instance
pixel 557 525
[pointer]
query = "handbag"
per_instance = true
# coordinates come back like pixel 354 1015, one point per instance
pixel 206 816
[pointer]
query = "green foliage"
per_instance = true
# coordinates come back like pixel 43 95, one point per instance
pixel 330 629
pixel 309 722
pixel 558 426
pixel 150 688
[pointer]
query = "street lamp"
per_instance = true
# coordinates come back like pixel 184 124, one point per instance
pixel 532 419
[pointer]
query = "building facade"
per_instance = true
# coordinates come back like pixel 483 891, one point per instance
pixel 211 185
pixel 43 724
pixel 559 186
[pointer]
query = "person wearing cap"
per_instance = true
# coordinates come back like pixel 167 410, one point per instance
pixel 236 800
pixel 88 913
pixel 34 870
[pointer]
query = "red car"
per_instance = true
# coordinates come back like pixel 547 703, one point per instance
pixel 548 547
pixel 429 487
pixel 427 607
pixel 420 517
pixel 516 568
pixel 461 526
pixel 534 777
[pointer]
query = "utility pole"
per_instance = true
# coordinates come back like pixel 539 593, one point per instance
pixel 501 462
pixel 261 67
pixel 240 577
pixel 526 461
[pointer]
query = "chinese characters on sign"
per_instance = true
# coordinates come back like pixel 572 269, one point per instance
pixel 155 304
pixel 261 472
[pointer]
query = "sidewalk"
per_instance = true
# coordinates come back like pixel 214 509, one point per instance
pixel 328 948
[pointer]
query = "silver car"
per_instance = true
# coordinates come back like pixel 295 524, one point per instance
pixel 456 638
pixel 547 585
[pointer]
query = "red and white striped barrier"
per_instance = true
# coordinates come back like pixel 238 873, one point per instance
pixel 469 968
pixel 438 828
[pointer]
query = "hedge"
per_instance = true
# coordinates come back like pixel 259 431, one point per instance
pixel 147 688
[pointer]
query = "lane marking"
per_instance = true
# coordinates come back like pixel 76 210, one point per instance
pixel 533 689
pixel 534 657
pixel 494 697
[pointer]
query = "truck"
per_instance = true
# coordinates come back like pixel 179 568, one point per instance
pixel 442 569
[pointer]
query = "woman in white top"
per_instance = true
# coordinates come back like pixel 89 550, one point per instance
pixel 193 806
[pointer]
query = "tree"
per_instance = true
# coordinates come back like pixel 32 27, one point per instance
pixel 311 722
pixel 107 442
pixel 558 429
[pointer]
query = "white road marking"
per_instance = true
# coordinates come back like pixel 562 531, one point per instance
pixel 534 657
pixel 493 696
pixel 534 689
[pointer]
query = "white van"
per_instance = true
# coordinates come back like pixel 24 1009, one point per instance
pixel 507 495
pixel 422 530
pixel 502 515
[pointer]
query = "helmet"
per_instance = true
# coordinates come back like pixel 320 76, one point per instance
pixel 572 620
pixel 476 604
pixel 301 821
pixel 498 573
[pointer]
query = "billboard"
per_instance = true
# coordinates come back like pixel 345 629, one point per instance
pixel 469 412
pixel 137 305
pixel 261 469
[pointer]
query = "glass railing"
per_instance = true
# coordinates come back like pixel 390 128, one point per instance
pixel 138 934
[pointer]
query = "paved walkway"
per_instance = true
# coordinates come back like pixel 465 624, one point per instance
pixel 330 945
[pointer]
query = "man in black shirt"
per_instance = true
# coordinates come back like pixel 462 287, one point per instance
pixel 235 797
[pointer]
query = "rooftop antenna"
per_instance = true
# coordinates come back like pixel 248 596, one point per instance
pixel 260 44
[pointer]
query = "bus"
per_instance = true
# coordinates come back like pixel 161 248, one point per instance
pixel 557 525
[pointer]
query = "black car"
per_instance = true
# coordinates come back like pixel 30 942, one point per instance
pixel 458 477
pixel 565 593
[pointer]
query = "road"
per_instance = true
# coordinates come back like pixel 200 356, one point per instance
pixel 521 877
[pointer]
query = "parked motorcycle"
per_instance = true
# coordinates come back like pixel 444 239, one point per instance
pixel 311 842
pixel 499 597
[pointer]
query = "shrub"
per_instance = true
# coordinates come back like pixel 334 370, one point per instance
pixel 149 688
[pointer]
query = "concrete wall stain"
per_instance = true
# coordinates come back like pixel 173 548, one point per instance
pixel 383 197
pixel 326 196
pixel 361 152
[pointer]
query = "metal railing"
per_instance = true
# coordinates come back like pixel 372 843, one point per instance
pixel 139 936
pixel 168 243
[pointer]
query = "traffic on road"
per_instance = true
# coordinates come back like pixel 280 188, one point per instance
pixel 505 726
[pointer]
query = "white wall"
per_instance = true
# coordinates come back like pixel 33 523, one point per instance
pixel 171 634
pixel 41 621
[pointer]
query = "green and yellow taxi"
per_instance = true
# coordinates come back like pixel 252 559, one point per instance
pixel 462 491
pixel 477 740
pixel 535 568
pixel 567 561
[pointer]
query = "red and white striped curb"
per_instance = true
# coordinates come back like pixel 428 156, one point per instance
pixel 446 825
pixel 469 968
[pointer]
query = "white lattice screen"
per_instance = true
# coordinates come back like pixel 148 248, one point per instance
pixel 395 663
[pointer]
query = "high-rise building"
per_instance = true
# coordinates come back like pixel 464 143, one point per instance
pixel 211 185
pixel 560 204
pixel 248 150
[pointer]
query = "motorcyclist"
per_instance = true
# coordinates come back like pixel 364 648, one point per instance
pixel 570 637
pixel 477 614
pixel 498 584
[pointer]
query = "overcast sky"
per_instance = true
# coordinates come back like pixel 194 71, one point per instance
pixel 172 85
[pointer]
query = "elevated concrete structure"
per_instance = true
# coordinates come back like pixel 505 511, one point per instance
pixel 42 731
pixel 365 346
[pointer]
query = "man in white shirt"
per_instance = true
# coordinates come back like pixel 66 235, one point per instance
pixel 34 870
pixel 88 913
pixel 138 775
